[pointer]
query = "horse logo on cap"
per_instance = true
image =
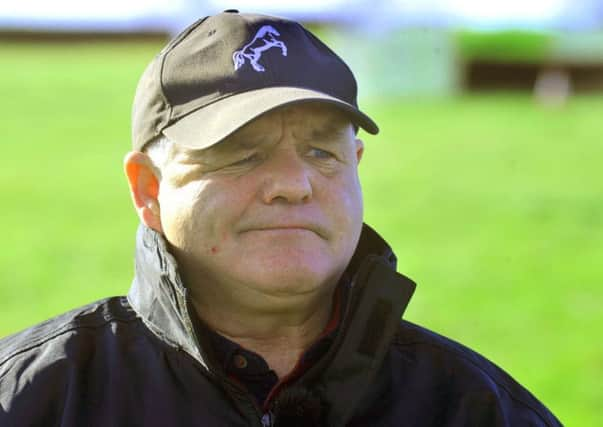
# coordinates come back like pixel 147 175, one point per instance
pixel 264 39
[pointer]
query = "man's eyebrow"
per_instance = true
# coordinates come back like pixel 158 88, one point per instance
pixel 330 132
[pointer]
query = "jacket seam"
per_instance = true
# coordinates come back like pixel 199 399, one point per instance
pixel 462 355
pixel 68 328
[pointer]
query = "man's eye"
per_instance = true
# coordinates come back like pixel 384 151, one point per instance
pixel 321 154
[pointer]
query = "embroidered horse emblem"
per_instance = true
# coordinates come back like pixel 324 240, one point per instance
pixel 264 39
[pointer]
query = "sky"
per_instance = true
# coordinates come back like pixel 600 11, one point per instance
pixel 132 13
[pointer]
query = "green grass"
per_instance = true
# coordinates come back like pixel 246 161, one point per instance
pixel 492 203
pixel 510 45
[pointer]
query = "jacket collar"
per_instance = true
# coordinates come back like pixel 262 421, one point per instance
pixel 377 299
pixel 158 295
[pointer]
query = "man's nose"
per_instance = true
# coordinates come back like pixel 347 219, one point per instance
pixel 287 178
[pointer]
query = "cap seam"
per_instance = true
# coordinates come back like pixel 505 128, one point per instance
pixel 270 75
pixel 178 39
pixel 332 52
pixel 181 37
pixel 163 96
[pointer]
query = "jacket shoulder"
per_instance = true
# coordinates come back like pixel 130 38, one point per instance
pixel 57 330
pixel 453 367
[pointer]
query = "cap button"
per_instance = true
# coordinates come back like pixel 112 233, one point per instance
pixel 231 11
pixel 240 361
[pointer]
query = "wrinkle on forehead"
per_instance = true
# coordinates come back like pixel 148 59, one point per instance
pixel 318 122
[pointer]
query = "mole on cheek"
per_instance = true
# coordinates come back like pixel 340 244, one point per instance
pixel 214 249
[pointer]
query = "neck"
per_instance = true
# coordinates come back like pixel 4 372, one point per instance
pixel 279 336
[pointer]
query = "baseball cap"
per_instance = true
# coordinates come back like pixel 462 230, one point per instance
pixel 225 70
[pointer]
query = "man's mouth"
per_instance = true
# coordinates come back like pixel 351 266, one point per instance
pixel 287 228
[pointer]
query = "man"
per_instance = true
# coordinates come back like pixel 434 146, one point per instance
pixel 260 298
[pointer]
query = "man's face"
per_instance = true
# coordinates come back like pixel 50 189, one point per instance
pixel 274 210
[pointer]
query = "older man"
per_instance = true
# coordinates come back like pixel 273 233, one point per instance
pixel 260 298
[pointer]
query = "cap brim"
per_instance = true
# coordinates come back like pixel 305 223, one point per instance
pixel 211 124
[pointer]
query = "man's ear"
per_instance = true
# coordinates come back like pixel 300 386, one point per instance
pixel 144 188
pixel 359 149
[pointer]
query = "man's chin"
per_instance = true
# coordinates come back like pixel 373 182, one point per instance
pixel 291 277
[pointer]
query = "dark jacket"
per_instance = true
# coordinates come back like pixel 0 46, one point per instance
pixel 139 361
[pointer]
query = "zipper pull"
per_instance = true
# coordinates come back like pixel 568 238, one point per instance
pixel 267 419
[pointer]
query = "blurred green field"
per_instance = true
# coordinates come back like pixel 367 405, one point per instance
pixel 493 204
